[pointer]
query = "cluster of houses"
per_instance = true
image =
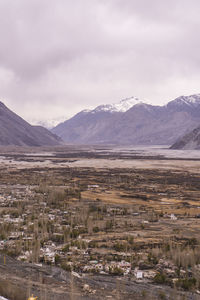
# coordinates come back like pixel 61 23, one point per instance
pixel 57 251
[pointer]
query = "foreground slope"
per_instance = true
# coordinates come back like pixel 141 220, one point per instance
pixel 133 122
pixel 18 279
pixel 16 131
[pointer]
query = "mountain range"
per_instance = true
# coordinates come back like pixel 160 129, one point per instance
pixel 48 123
pixel 16 131
pixel 133 122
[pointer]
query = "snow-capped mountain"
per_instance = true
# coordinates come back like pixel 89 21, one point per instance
pixel 49 124
pixel 190 101
pixel 132 121
pixel 122 106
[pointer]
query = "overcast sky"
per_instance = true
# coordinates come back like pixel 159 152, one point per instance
pixel 58 57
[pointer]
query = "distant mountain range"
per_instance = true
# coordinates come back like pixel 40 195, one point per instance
pixel 132 122
pixel 16 131
pixel 49 123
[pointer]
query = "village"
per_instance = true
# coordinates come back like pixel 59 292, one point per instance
pixel 105 222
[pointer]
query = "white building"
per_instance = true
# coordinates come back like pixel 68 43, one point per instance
pixel 173 217
pixel 138 274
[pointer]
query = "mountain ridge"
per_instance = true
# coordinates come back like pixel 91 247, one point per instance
pixel 142 123
pixel 16 131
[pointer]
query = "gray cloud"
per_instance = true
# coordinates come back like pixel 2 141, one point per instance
pixel 57 57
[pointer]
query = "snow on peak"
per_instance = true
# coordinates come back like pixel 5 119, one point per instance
pixel 126 104
pixel 86 111
pixel 193 100
pixel 122 106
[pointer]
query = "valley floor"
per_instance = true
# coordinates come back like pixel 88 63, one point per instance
pixel 95 223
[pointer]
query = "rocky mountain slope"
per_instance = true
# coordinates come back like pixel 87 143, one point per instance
pixel 16 131
pixel 189 141
pixel 132 122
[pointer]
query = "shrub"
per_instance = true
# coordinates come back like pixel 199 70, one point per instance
pixel 186 283
pixel 65 248
pixel 66 267
pixel 116 271
pixel 96 229
pixel 109 224
pixel 74 233
pixel 57 259
pixel 160 278
pixel 120 247
pixel 162 295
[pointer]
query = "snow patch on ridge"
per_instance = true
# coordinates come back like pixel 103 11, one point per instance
pixel 193 100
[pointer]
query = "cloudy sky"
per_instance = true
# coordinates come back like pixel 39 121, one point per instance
pixel 60 56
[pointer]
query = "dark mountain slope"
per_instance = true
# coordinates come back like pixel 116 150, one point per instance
pixel 15 131
pixel 86 127
pixel 189 141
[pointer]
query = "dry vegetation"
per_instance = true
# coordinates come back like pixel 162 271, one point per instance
pixel 102 221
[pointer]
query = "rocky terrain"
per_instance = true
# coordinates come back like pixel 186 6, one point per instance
pixel 16 131
pixel 132 122
pixel 189 141
pixel 18 280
